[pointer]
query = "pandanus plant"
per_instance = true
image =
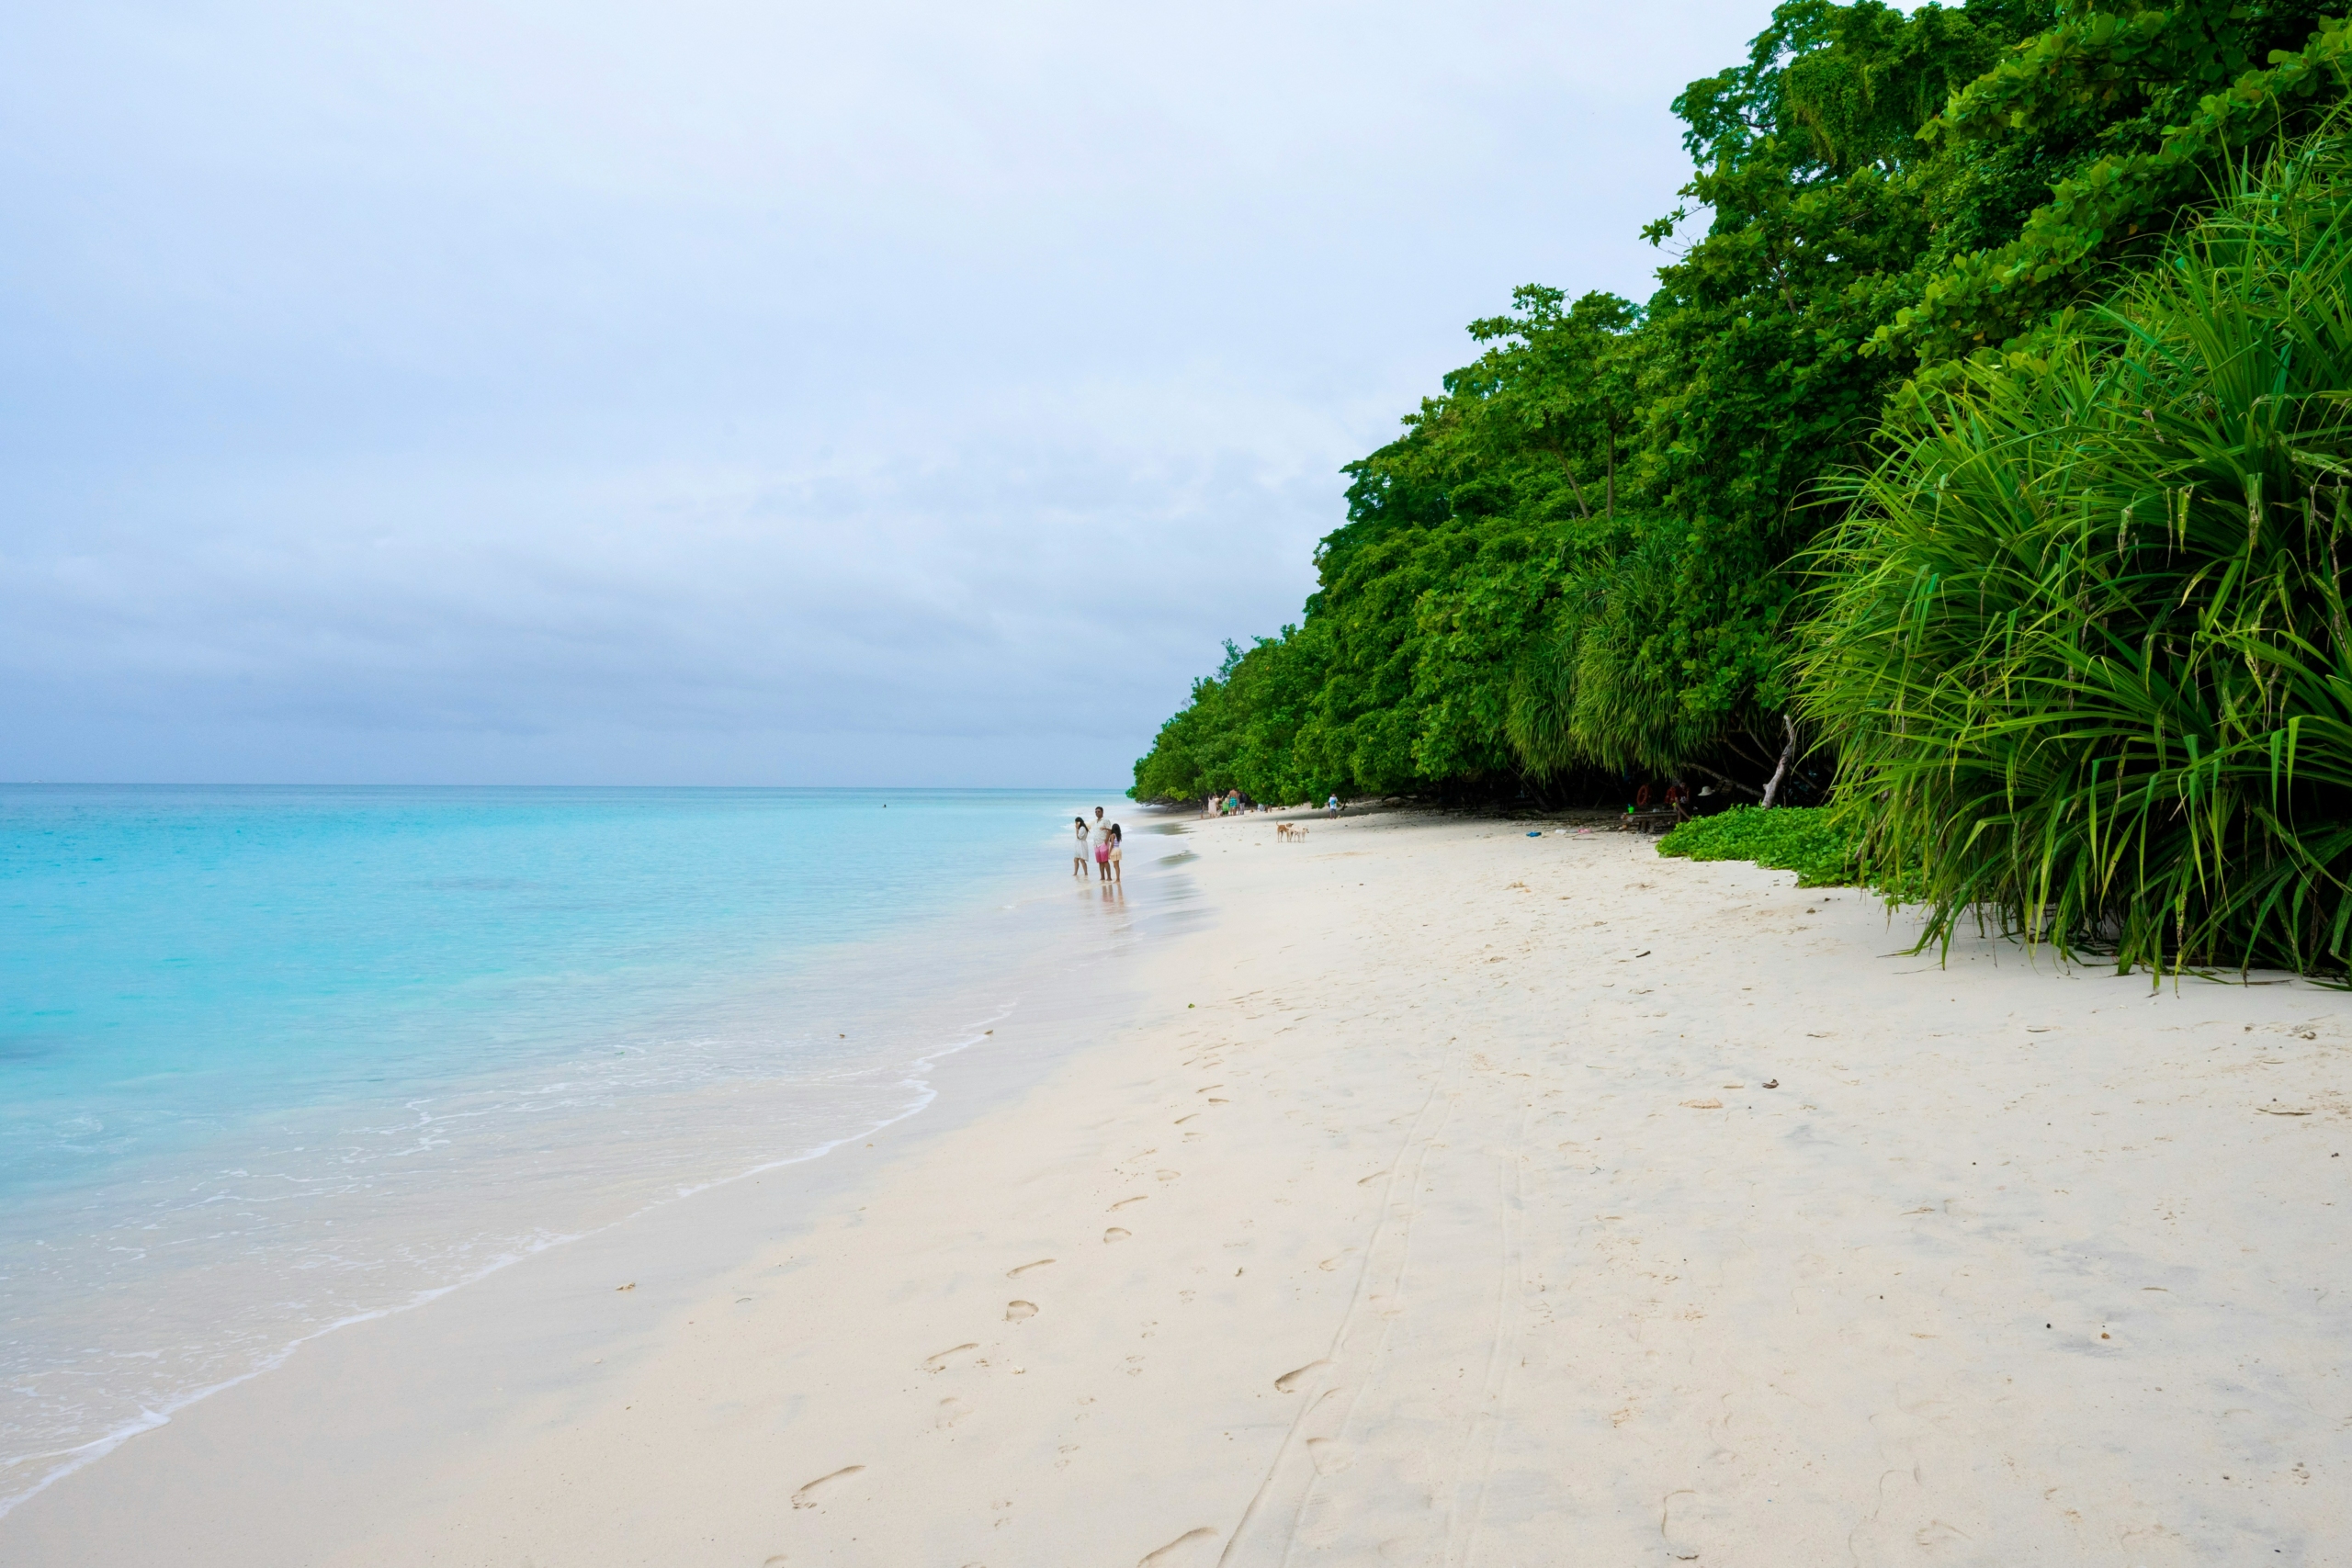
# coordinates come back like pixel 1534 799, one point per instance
pixel 2081 635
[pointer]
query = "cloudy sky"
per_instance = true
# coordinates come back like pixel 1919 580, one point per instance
pixel 721 392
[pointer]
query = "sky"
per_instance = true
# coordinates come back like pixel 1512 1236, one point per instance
pixel 723 393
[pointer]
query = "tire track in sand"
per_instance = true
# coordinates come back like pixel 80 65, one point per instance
pixel 1291 1469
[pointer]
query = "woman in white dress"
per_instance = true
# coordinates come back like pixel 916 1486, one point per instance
pixel 1078 863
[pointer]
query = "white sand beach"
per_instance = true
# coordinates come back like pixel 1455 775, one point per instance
pixel 1456 1197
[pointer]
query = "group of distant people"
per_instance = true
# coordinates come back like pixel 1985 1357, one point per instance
pixel 1099 840
pixel 1102 838
pixel 1677 798
pixel 1233 801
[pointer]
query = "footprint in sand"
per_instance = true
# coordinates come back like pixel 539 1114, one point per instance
pixel 1125 1201
pixel 1330 1263
pixel 807 1496
pixel 1168 1174
pixel 1116 1233
pixel 1675 1521
pixel 1325 1455
pixel 1180 1550
pixel 1016 1273
pixel 1015 1312
pixel 951 1410
pixel 939 1362
pixel 1193 1116
pixel 1288 1382
pixel 1368 1181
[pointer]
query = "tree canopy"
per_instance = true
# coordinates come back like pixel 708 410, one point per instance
pixel 1586 556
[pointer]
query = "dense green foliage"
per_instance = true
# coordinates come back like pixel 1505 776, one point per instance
pixel 1817 842
pixel 1937 252
pixel 2083 638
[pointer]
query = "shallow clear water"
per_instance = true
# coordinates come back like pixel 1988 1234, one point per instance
pixel 276 1059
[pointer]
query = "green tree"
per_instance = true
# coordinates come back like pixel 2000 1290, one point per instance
pixel 1579 554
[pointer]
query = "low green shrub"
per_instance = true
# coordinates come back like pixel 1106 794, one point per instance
pixel 2084 639
pixel 1806 839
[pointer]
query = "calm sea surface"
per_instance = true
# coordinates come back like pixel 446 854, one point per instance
pixel 279 1059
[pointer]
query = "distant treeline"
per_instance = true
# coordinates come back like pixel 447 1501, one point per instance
pixel 1984 454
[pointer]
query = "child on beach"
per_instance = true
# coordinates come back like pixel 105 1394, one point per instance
pixel 1116 837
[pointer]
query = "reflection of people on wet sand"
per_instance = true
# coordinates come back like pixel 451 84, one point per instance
pixel 1078 860
pixel 1116 837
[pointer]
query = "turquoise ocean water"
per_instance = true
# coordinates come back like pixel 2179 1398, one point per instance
pixel 280 1059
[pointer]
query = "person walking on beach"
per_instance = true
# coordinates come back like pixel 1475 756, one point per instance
pixel 1102 847
pixel 1332 805
pixel 1116 837
pixel 1078 862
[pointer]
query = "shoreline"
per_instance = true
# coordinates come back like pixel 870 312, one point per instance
pixel 1455 1220
pixel 947 1011
pixel 96 1450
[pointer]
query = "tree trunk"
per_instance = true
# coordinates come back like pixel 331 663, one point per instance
pixel 1575 489
pixel 1788 755
pixel 1580 492
pixel 1612 471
